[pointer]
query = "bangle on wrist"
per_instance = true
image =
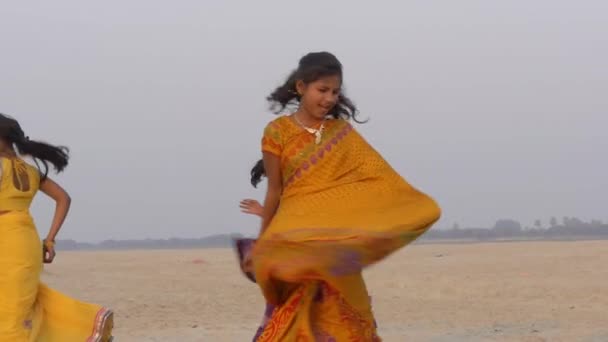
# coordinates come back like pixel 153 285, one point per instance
pixel 48 243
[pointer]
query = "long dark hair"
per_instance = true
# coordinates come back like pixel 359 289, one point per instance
pixel 312 67
pixel 42 153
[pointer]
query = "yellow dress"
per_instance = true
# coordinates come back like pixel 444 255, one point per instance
pixel 342 208
pixel 29 310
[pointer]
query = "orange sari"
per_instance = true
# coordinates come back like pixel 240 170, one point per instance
pixel 343 208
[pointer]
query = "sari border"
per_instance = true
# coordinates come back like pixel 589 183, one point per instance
pixel 316 155
pixel 101 320
pixel 280 318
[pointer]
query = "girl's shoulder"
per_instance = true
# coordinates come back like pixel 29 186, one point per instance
pixel 281 122
pixel 283 126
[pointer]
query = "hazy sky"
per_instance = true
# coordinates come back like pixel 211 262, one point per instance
pixel 496 109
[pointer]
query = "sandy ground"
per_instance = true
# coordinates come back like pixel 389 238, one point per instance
pixel 525 291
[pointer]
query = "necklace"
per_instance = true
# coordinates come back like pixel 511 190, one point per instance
pixel 317 132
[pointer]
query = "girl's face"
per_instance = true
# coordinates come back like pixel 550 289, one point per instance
pixel 320 96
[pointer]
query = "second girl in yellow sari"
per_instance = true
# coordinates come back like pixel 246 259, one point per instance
pixel 29 310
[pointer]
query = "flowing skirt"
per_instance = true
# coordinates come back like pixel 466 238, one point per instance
pixel 311 277
pixel 337 308
pixel 343 208
pixel 29 310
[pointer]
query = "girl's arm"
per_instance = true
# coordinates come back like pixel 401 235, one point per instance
pixel 272 166
pixel 62 205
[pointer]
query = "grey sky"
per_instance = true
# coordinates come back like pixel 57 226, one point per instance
pixel 496 109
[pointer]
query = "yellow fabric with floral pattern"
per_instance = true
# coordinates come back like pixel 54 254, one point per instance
pixel 343 208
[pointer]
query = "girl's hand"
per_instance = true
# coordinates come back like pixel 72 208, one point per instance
pixel 48 253
pixel 251 206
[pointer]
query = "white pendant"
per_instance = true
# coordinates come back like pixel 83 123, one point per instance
pixel 318 137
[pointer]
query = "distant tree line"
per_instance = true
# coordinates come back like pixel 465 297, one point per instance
pixel 504 229
pixel 213 241
pixel 568 228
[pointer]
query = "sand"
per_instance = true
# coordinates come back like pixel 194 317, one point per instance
pixel 524 291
